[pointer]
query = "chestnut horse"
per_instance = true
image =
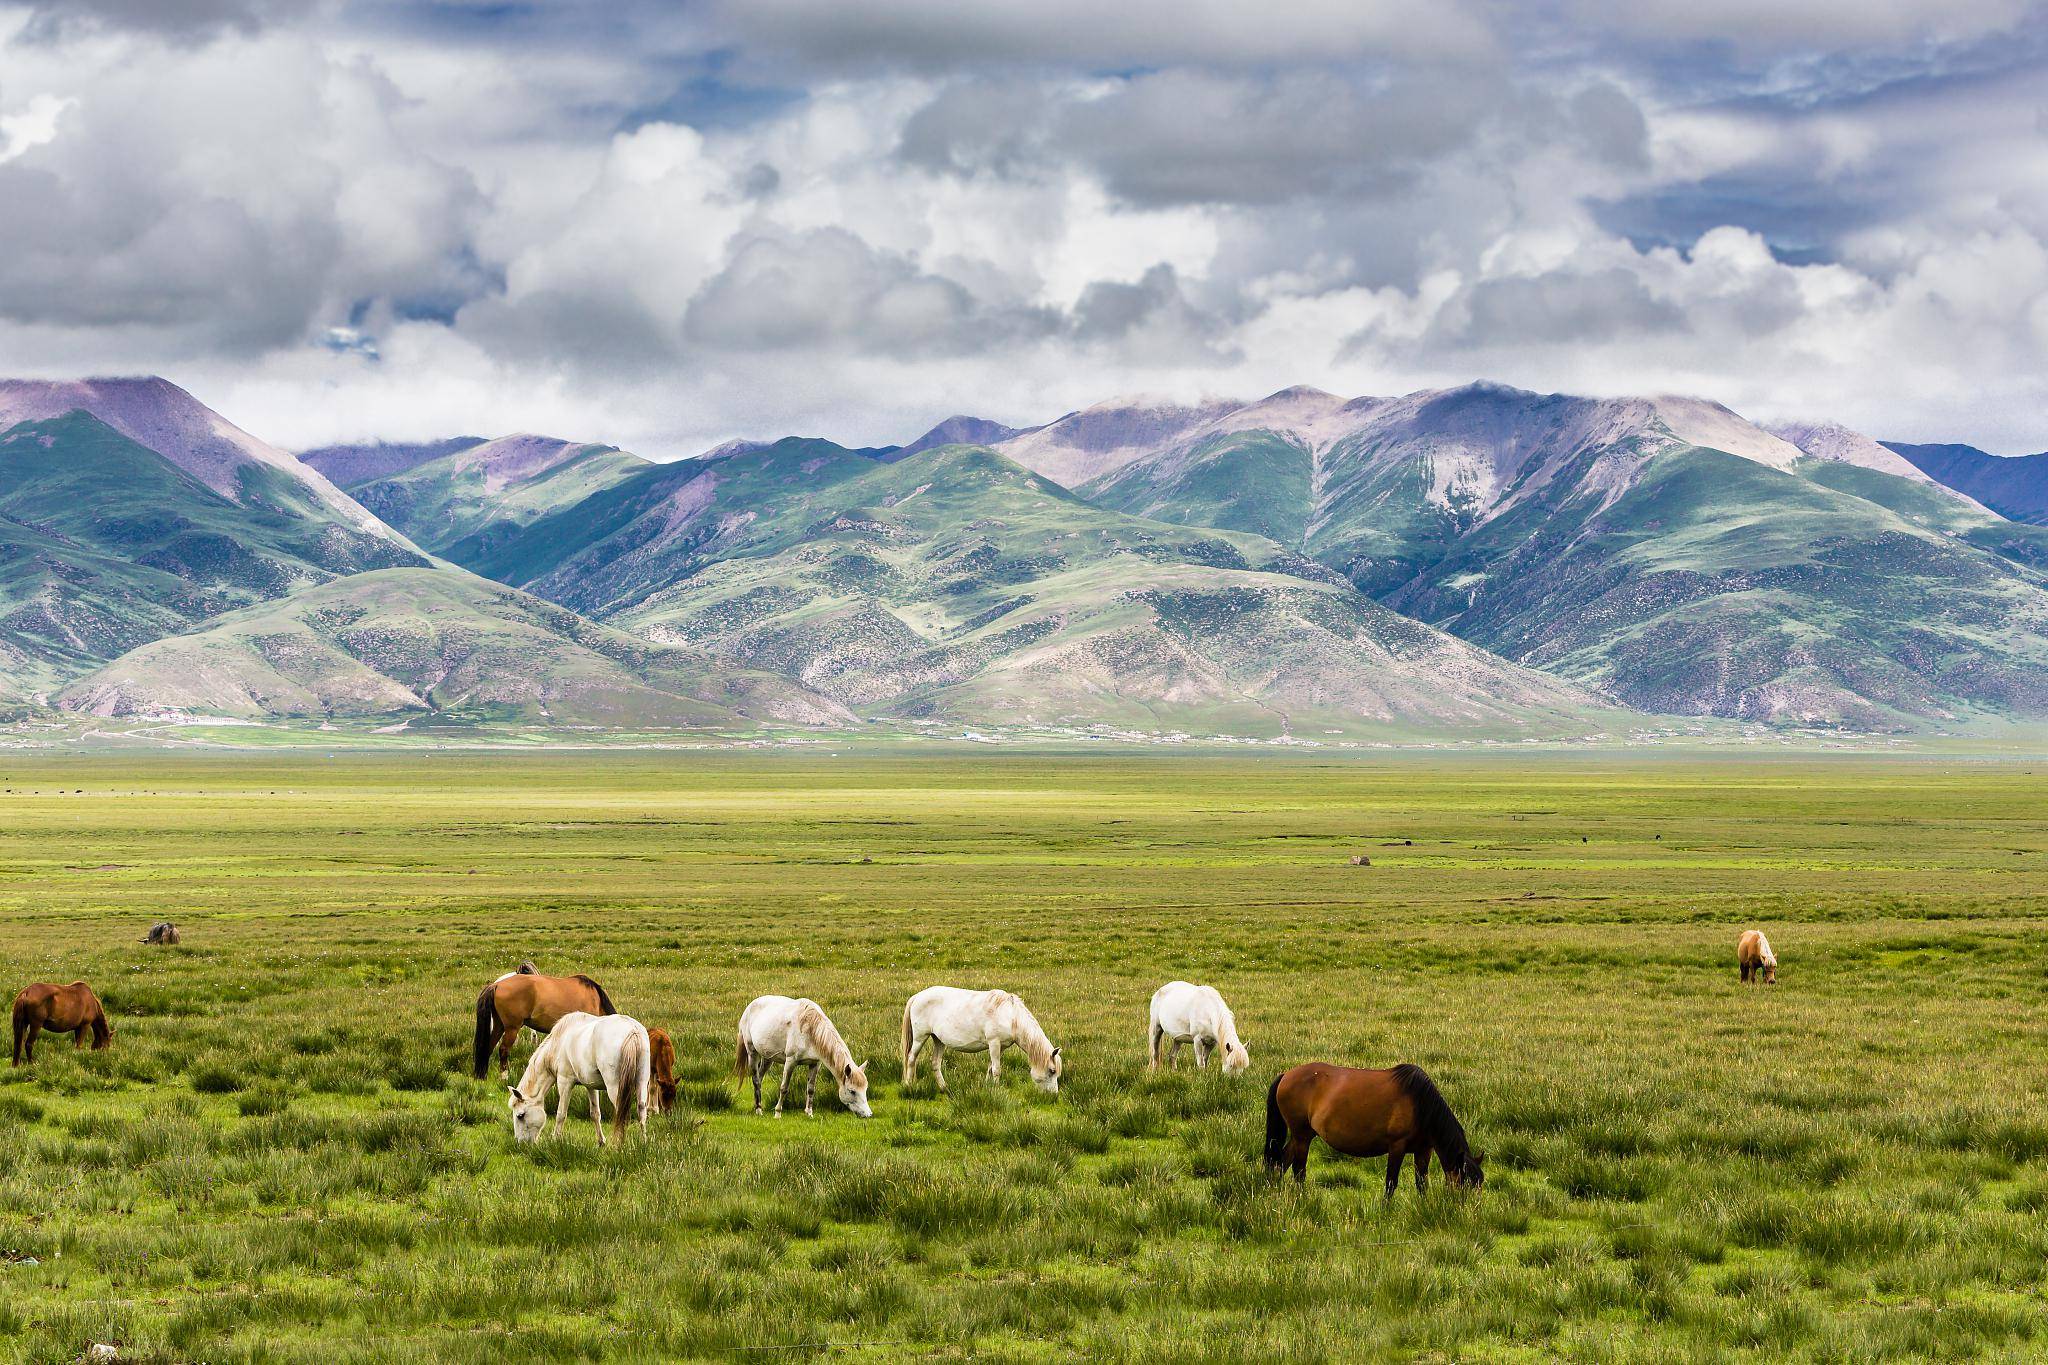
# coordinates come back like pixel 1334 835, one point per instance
pixel 1391 1113
pixel 68 1009
pixel 662 1055
pixel 527 999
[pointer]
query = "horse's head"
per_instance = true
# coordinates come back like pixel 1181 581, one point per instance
pixel 1470 1174
pixel 1771 972
pixel 1048 1080
pixel 529 1116
pixel 1236 1057
pixel 853 1088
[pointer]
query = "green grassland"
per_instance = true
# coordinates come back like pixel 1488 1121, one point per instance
pixel 283 1157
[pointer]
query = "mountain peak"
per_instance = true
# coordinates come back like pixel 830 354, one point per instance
pixel 960 430
pixel 1833 441
pixel 520 456
pixel 156 413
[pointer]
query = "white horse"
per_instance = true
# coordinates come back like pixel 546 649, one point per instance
pixel 974 1021
pixel 795 1032
pixel 1187 1013
pixel 606 1053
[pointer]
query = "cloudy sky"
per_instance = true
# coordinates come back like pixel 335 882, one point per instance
pixel 664 224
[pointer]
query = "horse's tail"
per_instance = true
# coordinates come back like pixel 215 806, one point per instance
pixel 909 1041
pixel 634 1065
pixel 1276 1126
pixel 604 1002
pixel 22 1011
pixel 488 1028
pixel 742 1061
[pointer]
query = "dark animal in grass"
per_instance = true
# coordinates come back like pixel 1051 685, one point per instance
pixel 662 1057
pixel 527 999
pixel 1754 958
pixel 1360 860
pixel 162 934
pixel 1396 1114
pixel 68 1009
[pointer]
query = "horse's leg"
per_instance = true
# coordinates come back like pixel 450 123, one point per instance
pixel 1393 1172
pixel 995 1062
pixel 35 1031
pixel 1201 1053
pixel 1173 1056
pixel 508 1035
pixel 1297 1156
pixel 788 1065
pixel 760 1070
pixel 811 1091
pixel 938 1064
pixel 78 1036
pixel 1422 1170
pixel 562 1106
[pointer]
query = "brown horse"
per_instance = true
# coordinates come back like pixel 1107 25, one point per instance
pixel 68 1009
pixel 527 999
pixel 662 1055
pixel 1367 1113
pixel 1754 958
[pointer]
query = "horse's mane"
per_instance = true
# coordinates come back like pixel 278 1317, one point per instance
pixel 604 1001
pixel 818 1027
pixel 1032 1041
pixel 1433 1115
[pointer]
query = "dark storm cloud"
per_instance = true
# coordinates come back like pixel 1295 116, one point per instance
pixel 177 20
pixel 1555 308
pixel 942 35
pixel 828 287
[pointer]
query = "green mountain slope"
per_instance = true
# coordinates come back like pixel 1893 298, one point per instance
pixel 955 585
pixel 1662 551
pixel 490 487
pixel 105 544
pixel 433 642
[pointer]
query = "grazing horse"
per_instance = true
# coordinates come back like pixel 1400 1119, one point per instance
pixel 662 1053
pixel 608 1054
pixel 1754 958
pixel 1367 1113
pixel 68 1009
pixel 162 934
pixel 976 1021
pixel 1188 1013
pixel 525 997
pixel 797 1032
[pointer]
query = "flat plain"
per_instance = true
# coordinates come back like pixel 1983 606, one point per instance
pixel 283 1156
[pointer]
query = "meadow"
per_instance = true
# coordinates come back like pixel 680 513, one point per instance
pixel 283 1156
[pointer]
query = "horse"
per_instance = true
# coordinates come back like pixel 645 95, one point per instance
pixel 797 1032
pixel 1188 1013
pixel 527 998
pixel 1367 1113
pixel 662 1053
pixel 973 1021
pixel 162 934
pixel 1754 958
pixel 608 1054
pixel 68 1009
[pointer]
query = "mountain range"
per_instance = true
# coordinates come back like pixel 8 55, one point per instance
pixel 1479 561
